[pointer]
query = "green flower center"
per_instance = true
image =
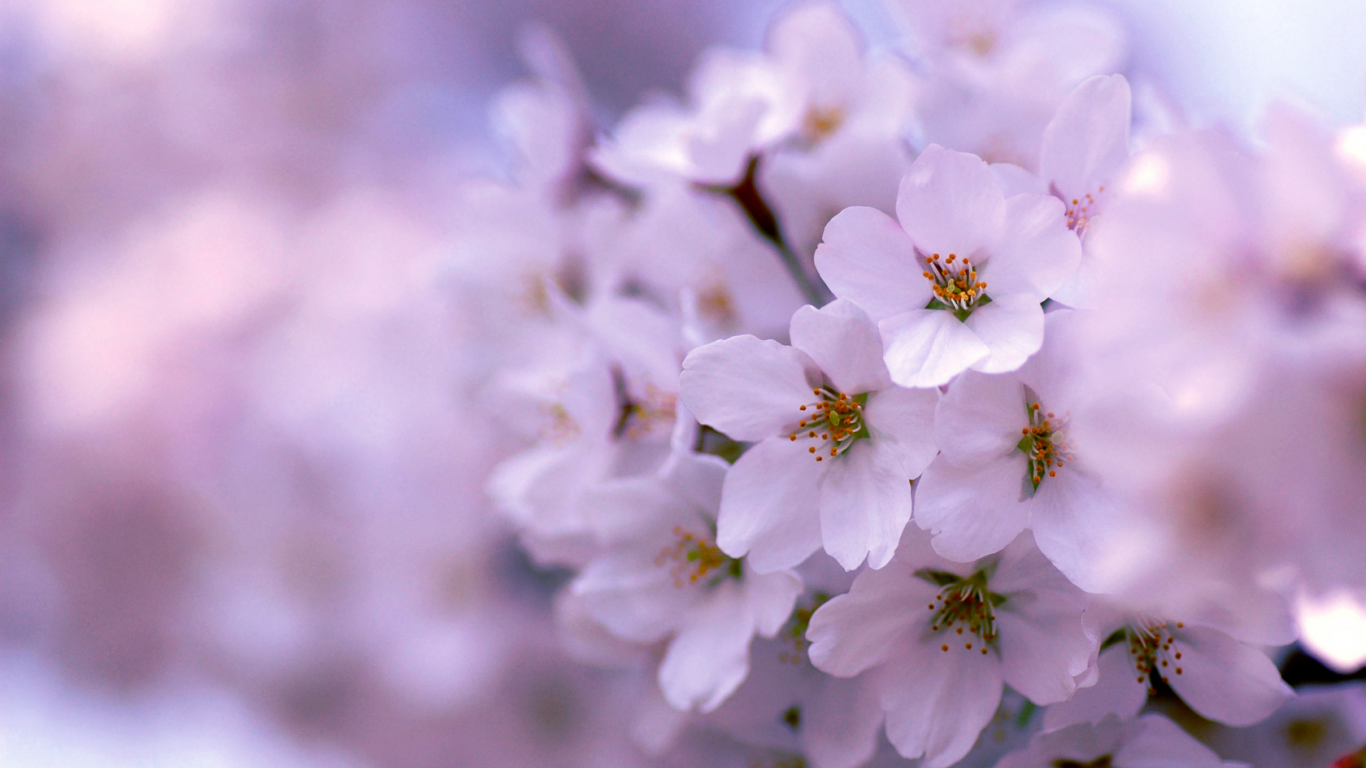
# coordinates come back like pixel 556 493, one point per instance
pixel 955 285
pixel 1044 443
pixel 835 419
pixel 1152 649
pixel 798 624
pixel 964 605
pixel 691 558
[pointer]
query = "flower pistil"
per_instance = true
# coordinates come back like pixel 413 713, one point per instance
pixel 1044 442
pixel 963 604
pixel 955 285
pixel 693 557
pixel 834 417
pixel 1152 649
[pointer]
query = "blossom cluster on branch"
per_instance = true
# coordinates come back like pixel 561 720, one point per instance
pixel 957 392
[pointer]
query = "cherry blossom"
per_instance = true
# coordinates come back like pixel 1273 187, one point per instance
pixel 601 404
pixel 598 440
pixel 1085 148
pixel 662 577
pixel 1321 724
pixel 788 704
pixel 836 443
pixel 852 109
pixel 1148 740
pixel 1219 677
pixel 1010 619
pixel 1007 462
pixel 1200 397
pixel 996 70
pixel 956 281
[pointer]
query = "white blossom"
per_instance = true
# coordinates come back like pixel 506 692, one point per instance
pixel 1011 619
pixel 1008 462
pixel 837 444
pixel 662 577
pixel 957 280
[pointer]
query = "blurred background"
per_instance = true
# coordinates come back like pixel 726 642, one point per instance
pixel 241 509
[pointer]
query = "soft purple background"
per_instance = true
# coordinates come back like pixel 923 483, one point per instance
pixel 111 111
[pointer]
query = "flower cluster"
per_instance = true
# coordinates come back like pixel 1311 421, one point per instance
pixel 929 393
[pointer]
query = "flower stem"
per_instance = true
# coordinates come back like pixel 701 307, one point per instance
pixel 746 195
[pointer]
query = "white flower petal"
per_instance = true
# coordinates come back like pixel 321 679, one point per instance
pixel 865 503
pixel 1014 180
pixel 630 508
pixel 1087 141
pixel 1012 328
pixel 1052 372
pixel 1080 743
pixel 840 724
pixel 980 418
pixel 849 168
pixel 1251 613
pixel 867 258
pixel 644 145
pixel 746 387
pixel 720 151
pixel 938 703
pixel 1157 742
pixel 632 596
pixel 928 347
pixel 1037 254
pixel 586 640
pixel 696 477
pixel 905 418
pixel 772 597
pixel 540 489
pixel 655 723
pixel 856 631
pixel 1022 568
pixel 975 511
pixel 769 506
pixel 1071 516
pixel 845 343
pixel 1118 692
pixel 1043 646
pixel 709 657
pixel 949 203
pixel 1224 680
pixel 819 44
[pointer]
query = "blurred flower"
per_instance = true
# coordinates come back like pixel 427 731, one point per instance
pixel 663 576
pixel 1144 741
